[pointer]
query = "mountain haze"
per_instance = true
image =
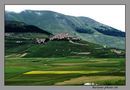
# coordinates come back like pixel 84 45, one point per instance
pixel 83 27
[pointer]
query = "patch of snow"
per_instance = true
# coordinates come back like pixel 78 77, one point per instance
pixel 38 13
pixel 56 15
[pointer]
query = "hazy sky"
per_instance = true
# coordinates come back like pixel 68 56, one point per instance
pixel 112 15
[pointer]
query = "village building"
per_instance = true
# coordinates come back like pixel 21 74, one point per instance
pixel 64 36
pixel 41 40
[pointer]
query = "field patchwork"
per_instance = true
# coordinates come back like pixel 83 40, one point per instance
pixel 64 71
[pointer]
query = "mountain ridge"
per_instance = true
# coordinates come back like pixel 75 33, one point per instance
pixel 86 29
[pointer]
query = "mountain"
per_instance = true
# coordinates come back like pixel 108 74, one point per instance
pixel 21 27
pixel 83 27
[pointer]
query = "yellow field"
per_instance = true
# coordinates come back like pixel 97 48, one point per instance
pixel 61 72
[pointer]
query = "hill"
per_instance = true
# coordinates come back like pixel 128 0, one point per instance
pixel 55 48
pixel 83 27
pixel 21 27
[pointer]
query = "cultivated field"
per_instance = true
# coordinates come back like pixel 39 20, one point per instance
pixel 64 71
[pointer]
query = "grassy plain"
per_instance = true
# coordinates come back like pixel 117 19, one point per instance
pixel 65 71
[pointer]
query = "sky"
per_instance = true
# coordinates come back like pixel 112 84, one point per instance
pixel 112 15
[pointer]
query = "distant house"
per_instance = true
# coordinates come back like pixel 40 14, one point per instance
pixel 7 34
pixel 19 42
pixel 40 41
pixel 116 51
pixel 104 46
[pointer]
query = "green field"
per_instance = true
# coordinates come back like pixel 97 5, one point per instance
pixel 73 71
pixel 61 63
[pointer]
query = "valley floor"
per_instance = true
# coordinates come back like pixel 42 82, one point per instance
pixel 64 71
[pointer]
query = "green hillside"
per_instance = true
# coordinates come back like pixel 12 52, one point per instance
pixel 85 28
pixel 57 49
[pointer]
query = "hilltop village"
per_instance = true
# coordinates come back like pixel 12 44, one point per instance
pixel 60 36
